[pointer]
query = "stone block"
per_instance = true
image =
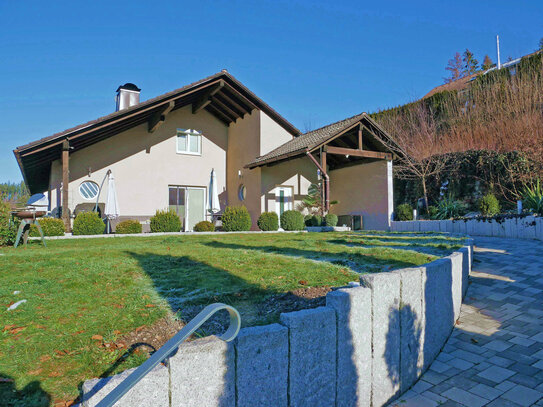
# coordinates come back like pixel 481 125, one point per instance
pixel 262 366
pixel 353 311
pixel 386 335
pixel 459 227
pixel 411 327
pixel 456 260
pixel 466 267
pixel 438 307
pixel 429 226
pixel 527 227
pixel 312 364
pixel 203 374
pixel 151 391
pixel 511 230
pixel 445 226
pixel 498 228
pixel 539 228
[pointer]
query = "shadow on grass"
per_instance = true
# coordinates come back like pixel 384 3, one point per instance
pixel 30 395
pixel 359 262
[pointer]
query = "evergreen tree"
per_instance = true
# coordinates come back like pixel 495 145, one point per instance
pixel 487 63
pixel 541 44
pixel 470 63
pixel 455 68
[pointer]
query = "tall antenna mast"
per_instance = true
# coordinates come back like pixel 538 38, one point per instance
pixel 498 47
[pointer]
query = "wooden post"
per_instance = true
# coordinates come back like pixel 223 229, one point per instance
pixel 325 184
pixel 360 137
pixel 65 184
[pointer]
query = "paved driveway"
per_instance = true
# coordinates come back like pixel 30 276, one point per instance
pixel 494 356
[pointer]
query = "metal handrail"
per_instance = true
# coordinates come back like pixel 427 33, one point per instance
pixel 170 347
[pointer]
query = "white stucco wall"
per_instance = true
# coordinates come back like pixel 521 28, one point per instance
pixel 145 164
pixel 366 190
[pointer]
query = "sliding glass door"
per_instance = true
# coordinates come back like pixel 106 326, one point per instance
pixel 189 204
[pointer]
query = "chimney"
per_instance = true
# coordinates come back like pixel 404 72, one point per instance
pixel 127 95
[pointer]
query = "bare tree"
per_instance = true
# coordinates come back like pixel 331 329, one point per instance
pixel 416 143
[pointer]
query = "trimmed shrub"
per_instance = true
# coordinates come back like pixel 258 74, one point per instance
pixel 204 226
pixel 165 221
pixel 236 219
pixel 128 227
pixel 292 220
pixel 8 229
pixel 330 220
pixel 268 221
pixel 88 223
pixel 404 212
pixel 489 205
pixel 316 220
pixel 49 227
pixel 307 220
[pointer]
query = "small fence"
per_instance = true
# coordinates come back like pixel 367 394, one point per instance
pixel 527 227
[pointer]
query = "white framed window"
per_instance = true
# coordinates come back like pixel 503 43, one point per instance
pixel 189 142
pixel 89 190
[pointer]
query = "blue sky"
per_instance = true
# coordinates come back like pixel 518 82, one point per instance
pixel 314 62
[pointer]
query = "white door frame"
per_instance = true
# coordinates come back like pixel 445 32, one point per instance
pixel 187 193
pixel 289 204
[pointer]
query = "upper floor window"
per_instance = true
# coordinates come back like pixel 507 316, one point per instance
pixel 189 141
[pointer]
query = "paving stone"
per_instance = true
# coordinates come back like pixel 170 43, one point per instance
pixel 487 392
pixel 465 397
pixel 522 395
pixel 496 374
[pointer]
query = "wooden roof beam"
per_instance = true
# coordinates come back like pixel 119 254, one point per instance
pixel 159 117
pixel 205 100
pixel 225 108
pixel 358 153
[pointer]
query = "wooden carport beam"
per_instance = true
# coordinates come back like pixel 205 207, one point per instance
pixel 360 137
pixel 159 117
pixel 358 153
pixel 65 184
pixel 206 98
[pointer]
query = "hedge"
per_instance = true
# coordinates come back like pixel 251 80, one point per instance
pixel 128 227
pixel 204 226
pixel 404 212
pixel 88 223
pixel 8 229
pixel 236 219
pixel 268 221
pixel 165 221
pixel 49 227
pixel 292 220
pixel 489 205
pixel 330 220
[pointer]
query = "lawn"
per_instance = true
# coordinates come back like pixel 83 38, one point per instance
pixel 88 300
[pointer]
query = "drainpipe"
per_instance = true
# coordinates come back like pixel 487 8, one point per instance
pixel 326 181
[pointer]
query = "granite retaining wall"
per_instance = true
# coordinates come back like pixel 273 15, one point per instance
pixel 528 227
pixel 366 347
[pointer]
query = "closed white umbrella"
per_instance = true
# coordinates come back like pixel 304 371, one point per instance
pixel 111 210
pixel 213 204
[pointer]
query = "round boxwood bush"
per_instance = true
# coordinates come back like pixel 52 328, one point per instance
pixel 165 221
pixel 128 227
pixel 268 221
pixel 8 229
pixel 49 227
pixel 330 220
pixel 236 219
pixel 292 220
pixel 404 212
pixel 204 226
pixel 489 205
pixel 88 223
pixel 307 220
pixel 316 220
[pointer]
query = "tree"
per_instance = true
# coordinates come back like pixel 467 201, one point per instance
pixel 455 68
pixel 470 63
pixel 313 202
pixel 487 63
pixel 541 44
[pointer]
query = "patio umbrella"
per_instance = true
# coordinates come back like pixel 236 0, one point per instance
pixel 213 205
pixel 111 210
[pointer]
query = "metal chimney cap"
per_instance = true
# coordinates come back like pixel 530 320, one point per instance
pixel 129 86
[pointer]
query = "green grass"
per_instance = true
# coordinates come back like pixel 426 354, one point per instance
pixel 83 287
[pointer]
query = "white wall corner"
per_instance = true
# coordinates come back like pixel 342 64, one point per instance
pixel 390 189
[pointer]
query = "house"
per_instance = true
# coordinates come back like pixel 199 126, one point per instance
pixel 162 151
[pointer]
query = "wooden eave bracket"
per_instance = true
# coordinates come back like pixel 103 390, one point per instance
pixel 206 98
pixel 159 117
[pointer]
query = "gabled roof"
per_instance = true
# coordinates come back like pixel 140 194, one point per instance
pixel 220 94
pixel 315 138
